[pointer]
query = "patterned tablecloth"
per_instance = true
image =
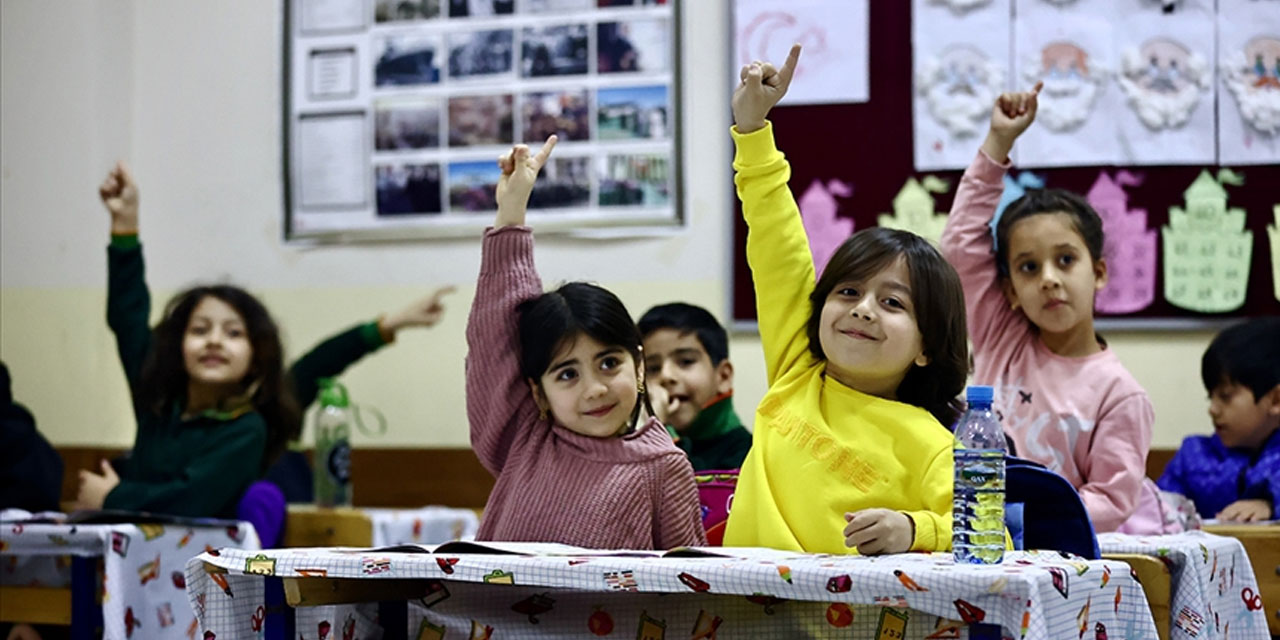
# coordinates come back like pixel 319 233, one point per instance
pixel 750 592
pixel 1215 594
pixel 143 568
pixel 427 525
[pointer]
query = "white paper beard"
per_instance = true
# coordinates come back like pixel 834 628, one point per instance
pixel 1162 100
pixel 1065 103
pixel 1259 106
pixel 962 109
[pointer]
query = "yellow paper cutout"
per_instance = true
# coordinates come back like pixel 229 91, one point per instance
pixel 1207 249
pixel 1274 232
pixel 913 209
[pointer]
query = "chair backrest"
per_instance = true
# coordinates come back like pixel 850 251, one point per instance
pixel 263 505
pixel 1053 516
pixel 715 493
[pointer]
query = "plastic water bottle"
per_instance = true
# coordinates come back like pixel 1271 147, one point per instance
pixel 977 533
pixel 332 465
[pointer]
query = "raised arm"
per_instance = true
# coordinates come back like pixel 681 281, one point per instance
pixel 128 301
pixel 966 240
pixel 777 247
pixel 499 401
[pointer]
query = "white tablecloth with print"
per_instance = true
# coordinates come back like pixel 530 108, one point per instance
pixel 759 593
pixel 426 525
pixel 144 585
pixel 1215 594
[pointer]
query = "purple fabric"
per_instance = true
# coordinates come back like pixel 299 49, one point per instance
pixel 263 506
pixel 1214 476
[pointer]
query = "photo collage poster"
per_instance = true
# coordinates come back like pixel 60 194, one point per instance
pixel 1126 82
pixel 397 111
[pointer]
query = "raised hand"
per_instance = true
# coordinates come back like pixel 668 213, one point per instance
pixel 119 194
pixel 761 88
pixel 1011 114
pixel 422 313
pixel 519 172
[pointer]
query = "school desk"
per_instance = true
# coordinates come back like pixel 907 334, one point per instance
pixel 308 526
pixel 1212 589
pixel 748 593
pixel 1262 542
pixel 143 595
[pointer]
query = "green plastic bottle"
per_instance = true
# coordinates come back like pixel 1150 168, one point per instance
pixel 332 464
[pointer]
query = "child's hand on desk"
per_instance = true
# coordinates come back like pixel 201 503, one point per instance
pixel 94 487
pixel 878 531
pixel 1246 511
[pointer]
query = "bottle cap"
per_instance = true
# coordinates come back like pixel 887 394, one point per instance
pixel 979 394
pixel 332 393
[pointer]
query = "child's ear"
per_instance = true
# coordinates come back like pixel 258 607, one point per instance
pixel 724 376
pixel 922 360
pixel 1006 285
pixel 539 398
pixel 1273 397
pixel 1099 274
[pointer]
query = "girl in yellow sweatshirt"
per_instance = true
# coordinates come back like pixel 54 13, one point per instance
pixel 849 449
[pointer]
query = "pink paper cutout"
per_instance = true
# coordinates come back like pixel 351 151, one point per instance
pixel 826 230
pixel 1130 247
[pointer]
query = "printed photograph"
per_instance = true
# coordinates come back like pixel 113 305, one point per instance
pixel 564 113
pixel 407 61
pixel 405 10
pixel 480 120
pixel 472 185
pixel 554 50
pixel 481 53
pixel 406 122
pixel 633 46
pixel 639 180
pixel 557 6
pixel 408 189
pixel 632 113
pixel 481 8
pixel 564 182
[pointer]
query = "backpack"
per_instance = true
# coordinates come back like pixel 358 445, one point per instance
pixel 1043 511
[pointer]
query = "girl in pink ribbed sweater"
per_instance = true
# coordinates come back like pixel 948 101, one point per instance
pixel 557 402
pixel 1063 396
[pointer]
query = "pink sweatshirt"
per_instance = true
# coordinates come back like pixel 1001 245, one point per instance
pixel 631 492
pixel 1086 418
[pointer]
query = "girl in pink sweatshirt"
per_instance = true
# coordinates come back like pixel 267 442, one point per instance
pixel 1063 396
pixel 557 402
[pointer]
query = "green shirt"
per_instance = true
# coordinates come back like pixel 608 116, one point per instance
pixel 197 466
pixel 716 440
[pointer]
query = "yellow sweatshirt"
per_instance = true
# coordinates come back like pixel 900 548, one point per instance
pixel 820 449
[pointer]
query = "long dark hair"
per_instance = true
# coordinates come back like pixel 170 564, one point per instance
pixel 556 318
pixel 937 297
pixel 1084 218
pixel 163 381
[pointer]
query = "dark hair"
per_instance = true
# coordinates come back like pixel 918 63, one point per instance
pixel 163 381
pixel 1247 354
pixel 938 300
pixel 554 319
pixel 687 318
pixel 1037 201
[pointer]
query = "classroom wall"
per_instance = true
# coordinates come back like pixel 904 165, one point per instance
pixel 189 93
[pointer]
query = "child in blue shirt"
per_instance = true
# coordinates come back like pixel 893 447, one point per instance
pixel 1234 474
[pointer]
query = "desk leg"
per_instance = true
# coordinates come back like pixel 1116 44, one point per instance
pixel 86 611
pixel 280 620
pixel 393 617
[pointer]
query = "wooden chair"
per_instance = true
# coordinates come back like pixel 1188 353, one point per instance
pixel 309 526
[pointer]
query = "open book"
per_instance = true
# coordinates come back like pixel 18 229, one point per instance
pixel 568 551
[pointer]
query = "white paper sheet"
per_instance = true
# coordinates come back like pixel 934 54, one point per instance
pixel 331 73
pixel 1071 48
pixel 332 170
pixel 1164 74
pixel 1247 29
pixel 961 64
pixel 834 33
pixel 330 16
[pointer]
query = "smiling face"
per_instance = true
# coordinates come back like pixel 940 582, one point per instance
pixel 215 347
pixel 590 388
pixel 1052 276
pixel 868 331
pixel 678 362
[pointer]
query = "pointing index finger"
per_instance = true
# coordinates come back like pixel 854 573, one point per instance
pixel 545 153
pixel 789 67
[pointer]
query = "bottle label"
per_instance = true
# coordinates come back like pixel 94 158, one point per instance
pixel 339 462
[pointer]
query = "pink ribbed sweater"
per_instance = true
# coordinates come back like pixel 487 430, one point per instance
pixel 554 485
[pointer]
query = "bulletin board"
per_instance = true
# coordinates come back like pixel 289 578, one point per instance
pixel 395 112
pixel 858 159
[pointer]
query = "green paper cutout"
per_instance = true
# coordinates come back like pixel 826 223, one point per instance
pixel 913 209
pixel 1206 248
pixel 1274 232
